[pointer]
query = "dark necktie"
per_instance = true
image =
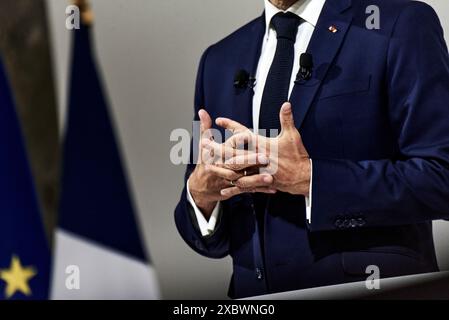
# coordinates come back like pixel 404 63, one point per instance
pixel 276 91
pixel 278 81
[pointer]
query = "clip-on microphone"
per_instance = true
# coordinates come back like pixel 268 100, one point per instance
pixel 243 80
pixel 305 68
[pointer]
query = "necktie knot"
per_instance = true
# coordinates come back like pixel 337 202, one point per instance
pixel 286 25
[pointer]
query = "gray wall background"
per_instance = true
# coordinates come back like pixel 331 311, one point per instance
pixel 149 51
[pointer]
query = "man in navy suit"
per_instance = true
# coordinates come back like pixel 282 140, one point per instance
pixel 362 166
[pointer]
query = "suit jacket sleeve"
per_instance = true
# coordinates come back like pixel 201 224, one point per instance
pixel 413 188
pixel 216 244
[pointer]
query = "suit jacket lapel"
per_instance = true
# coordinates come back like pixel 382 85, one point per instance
pixel 323 46
pixel 248 61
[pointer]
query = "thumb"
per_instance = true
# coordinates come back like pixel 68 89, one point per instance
pixel 205 132
pixel 286 117
pixel 205 122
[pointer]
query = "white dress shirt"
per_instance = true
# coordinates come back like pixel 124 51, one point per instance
pixel 309 11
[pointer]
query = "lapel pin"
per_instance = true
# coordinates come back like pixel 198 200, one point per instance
pixel 333 29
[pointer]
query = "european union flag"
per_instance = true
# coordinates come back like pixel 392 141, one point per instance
pixel 24 252
pixel 98 232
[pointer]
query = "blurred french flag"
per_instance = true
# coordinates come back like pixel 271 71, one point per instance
pixel 99 252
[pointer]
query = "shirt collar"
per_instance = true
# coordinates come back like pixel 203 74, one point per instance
pixel 309 10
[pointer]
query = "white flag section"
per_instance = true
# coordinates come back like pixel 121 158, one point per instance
pixel 84 270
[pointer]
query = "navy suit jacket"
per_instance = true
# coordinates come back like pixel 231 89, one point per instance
pixel 374 119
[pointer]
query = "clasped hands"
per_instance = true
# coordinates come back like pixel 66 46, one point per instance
pixel 265 165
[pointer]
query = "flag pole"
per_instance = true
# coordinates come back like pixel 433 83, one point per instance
pixel 87 15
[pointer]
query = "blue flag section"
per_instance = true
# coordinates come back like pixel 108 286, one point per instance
pixel 98 230
pixel 24 252
pixel 95 201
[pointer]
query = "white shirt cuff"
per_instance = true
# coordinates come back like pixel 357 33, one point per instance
pixel 309 198
pixel 206 227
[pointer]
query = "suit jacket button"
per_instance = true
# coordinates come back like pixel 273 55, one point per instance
pixel 339 223
pixel 361 222
pixel 259 274
pixel 199 245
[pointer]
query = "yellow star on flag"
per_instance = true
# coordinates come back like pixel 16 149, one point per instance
pixel 17 277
